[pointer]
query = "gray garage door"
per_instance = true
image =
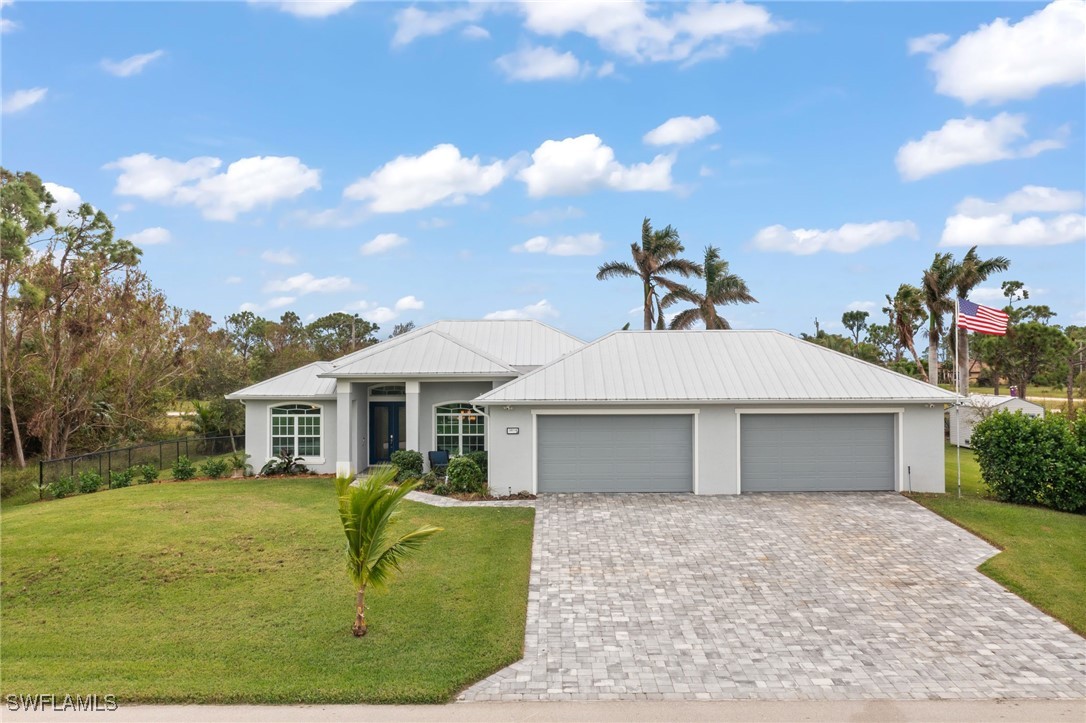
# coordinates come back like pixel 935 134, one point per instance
pixel 619 453
pixel 816 452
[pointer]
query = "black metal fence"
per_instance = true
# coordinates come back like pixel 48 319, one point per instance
pixel 161 454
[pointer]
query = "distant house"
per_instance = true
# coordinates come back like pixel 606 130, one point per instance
pixel 977 407
pixel 707 412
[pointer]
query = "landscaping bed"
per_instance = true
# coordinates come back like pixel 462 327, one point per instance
pixel 234 591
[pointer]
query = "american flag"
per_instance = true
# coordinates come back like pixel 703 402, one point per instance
pixel 981 319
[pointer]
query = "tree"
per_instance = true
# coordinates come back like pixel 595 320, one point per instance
pixel 332 335
pixel 402 328
pixel 656 256
pixel 1014 291
pixel 367 509
pixel 1076 361
pixel 968 274
pixel 721 287
pixel 1033 348
pixel 855 321
pixel 907 315
pixel 884 339
pixel 936 284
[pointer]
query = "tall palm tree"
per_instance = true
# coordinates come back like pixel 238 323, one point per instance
pixel 721 287
pixel 374 552
pixel 971 272
pixel 906 313
pixel 937 283
pixel 656 256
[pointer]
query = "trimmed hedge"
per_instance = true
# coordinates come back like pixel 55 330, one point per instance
pixel 409 464
pixel 1033 460
pixel 465 477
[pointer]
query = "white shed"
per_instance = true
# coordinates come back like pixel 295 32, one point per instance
pixel 980 406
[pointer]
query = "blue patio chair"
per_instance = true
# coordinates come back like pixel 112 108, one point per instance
pixel 439 463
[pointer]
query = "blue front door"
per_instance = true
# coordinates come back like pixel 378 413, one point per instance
pixel 388 430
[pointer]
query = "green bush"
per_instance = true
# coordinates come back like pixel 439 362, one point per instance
pixel 148 473
pixel 61 488
pixel 442 489
pixel 89 482
pixel 215 468
pixel 409 464
pixel 120 478
pixel 1033 460
pixel 465 477
pixel 478 458
pixel 183 468
pixel 285 463
pixel 428 481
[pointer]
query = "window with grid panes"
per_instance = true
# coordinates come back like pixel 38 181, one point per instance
pixel 460 428
pixel 296 429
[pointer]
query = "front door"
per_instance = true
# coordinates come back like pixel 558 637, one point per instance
pixel 388 430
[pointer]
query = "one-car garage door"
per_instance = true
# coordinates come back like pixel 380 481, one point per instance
pixel 816 452
pixel 615 453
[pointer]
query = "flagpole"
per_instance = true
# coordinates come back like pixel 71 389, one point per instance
pixel 958 420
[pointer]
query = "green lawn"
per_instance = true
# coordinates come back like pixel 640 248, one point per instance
pixel 1044 551
pixel 235 591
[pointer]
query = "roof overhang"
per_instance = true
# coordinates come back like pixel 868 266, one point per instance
pixel 281 397
pixel 686 402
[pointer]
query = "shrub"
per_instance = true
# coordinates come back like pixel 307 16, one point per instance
pixel 428 481
pixel 409 464
pixel 442 489
pixel 183 468
pixel 1033 460
pixel 214 468
pixel 89 482
pixel 62 487
pixel 240 461
pixel 120 478
pixel 465 477
pixel 479 458
pixel 285 463
pixel 148 473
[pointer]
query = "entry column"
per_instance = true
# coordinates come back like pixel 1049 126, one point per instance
pixel 411 390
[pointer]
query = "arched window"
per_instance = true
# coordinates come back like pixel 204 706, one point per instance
pixel 461 428
pixel 387 390
pixel 296 429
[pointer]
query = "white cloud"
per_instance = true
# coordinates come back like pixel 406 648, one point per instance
pixel 131 66
pixel 993 223
pixel 550 215
pixel 538 63
pixel 1002 61
pixel 539 310
pixel 379 315
pixel 282 257
pixel 409 303
pixel 408 183
pixel 967 142
pixel 705 172
pixel 153 236
pixel 233 280
pixel 850 238
pixel 413 23
pixel 23 99
pixel 681 130
pixel 307 8
pixel 307 283
pixel 637 31
pixel 276 302
pixel 927 44
pixel 579 165
pixel 605 70
pixel 65 199
pixel 246 184
pixel 8 26
pixel 1043 199
pixel 585 244
pixel 475 32
pixel 381 243
pixel 862 306
pixel 435 222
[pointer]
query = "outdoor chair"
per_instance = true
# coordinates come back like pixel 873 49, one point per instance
pixel 439 463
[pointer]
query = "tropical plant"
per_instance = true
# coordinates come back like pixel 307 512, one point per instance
pixel 656 256
pixel 239 462
pixel 183 468
pixel 120 478
pixel 721 287
pixel 61 488
pixel 214 468
pixel 970 272
pixel 465 477
pixel 936 284
pixel 907 315
pixel 375 551
pixel 89 482
pixel 285 463
pixel 148 473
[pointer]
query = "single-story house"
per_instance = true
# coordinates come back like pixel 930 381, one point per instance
pixel 707 412
pixel 964 416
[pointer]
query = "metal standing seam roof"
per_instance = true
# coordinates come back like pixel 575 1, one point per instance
pixel 302 382
pixel 518 343
pixel 425 352
pixel 734 365
pixel 992 400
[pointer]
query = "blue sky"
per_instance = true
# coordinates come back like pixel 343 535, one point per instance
pixel 416 162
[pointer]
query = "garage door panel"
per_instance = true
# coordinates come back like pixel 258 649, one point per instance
pixel 816 452
pixel 615 453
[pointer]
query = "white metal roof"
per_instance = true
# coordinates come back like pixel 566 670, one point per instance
pixel 640 366
pixel 424 352
pixel 302 382
pixel 517 343
pixel 993 400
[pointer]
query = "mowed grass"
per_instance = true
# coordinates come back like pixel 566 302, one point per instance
pixel 1044 551
pixel 236 591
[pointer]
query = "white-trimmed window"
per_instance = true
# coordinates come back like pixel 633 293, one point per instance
pixel 461 428
pixel 296 429
pixel 387 390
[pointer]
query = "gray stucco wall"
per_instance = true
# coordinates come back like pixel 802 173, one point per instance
pixel 258 433
pixel 432 394
pixel 716 467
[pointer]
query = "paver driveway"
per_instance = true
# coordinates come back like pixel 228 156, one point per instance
pixel 801 596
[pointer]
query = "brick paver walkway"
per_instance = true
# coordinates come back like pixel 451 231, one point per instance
pixel 803 596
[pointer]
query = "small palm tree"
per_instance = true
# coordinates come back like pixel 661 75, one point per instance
pixel 721 287
pixel 906 313
pixel 971 272
pixel 656 256
pixel 937 283
pixel 368 509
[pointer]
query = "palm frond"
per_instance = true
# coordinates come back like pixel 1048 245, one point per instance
pixel 685 319
pixel 616 269
pixel 683 267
